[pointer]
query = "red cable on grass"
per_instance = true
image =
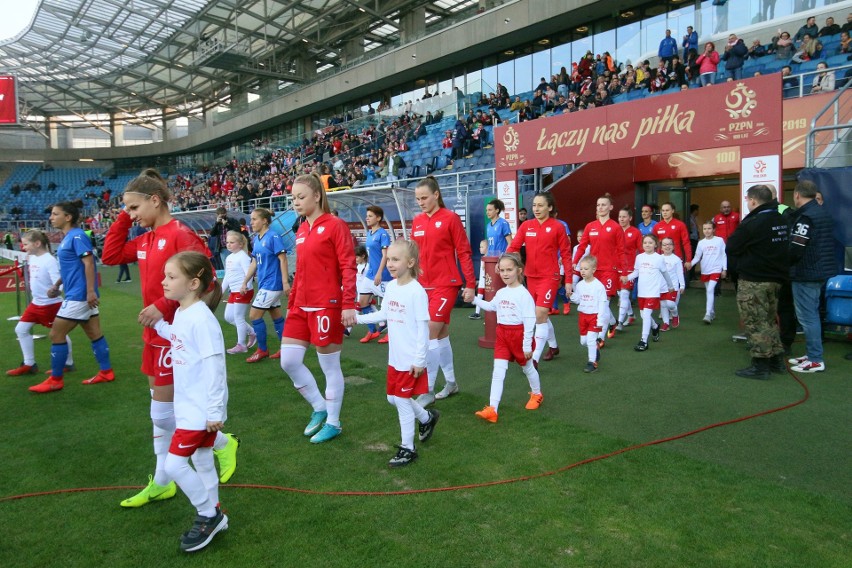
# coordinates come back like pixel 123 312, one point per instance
pixel 593 459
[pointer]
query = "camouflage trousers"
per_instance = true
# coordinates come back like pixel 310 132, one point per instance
pixel 758 305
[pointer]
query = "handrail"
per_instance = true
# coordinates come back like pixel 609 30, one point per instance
pixel 833 104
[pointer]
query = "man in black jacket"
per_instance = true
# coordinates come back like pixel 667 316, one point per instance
pixel 219 234
pixel 812 261
pixel 757 250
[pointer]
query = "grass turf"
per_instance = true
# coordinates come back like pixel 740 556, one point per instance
pixel 772 491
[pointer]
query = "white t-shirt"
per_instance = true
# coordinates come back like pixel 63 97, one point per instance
pixel 44 272
pixel 198 364
pixel 674 268
pixel 236 266
pixel 406 309
pixel 591 298
pixel 514 306
pixel 711 254
pixel 652 274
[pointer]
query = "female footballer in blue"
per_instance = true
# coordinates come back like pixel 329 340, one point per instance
pixel 78 274
pixel 377 274
pixel 269 261
pixel 497 232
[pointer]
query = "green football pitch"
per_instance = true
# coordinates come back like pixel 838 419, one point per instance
pixel 601 475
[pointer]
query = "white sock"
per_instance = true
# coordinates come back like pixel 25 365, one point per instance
pixel 293 363
pixel 202 459
pixel 711 298
pixel 589 340
pixel 532 376
pixel 623 305
pixel 420 413
pixel 25 338
pixel 220 442
pixel 406 422
pixel 432 363
pixel 498 377
pixel 647 323
pixel 191 483
pixel 445 358
pixel 664 312
pixel 334 385
pixel 541 333
pixel 163 419
pixel 551 335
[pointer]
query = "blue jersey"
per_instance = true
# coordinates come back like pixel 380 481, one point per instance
pixel 377 241
pixel 74 246
pixel 646 229
pixel 265 251
pixel 496 234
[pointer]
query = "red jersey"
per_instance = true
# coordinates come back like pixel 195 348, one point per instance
pixel 545 243
pixel 325 266
pixel 442 240
pixel 726 224
pixel 151 250
pixel 632 243
pixel 676 231
pixel 607 245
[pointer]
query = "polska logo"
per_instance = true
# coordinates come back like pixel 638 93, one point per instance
pixel 511 140
pixel 759 167
pixel 609 229
pixel 740 102
pixel 320 230
pixel 547 229
pixel 438 225
pixel 161 244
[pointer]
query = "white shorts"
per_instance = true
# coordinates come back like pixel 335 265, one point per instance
pixel 77 311
pixel 267 299
pixel 367 286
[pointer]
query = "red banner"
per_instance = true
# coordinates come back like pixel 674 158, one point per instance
pixel 8 100
pixel 728 114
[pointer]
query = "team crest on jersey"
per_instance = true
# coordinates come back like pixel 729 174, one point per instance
pixel 547 229
pixel 438 225
pixel 608 229
pixel 320 230
pixel 161 244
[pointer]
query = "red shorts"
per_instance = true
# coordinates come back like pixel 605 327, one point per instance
pixel 707 277
pixel 627 286
pixel 441 302
pixel 185 442
pixel 648 303
pixel 237 298
pixel 405 385
pixel 320 328
pixel 42 315
pixel 610 279
pixel 587 323
pixel 670 296
pixel 543 290
pixel 157 363
pixel 509 344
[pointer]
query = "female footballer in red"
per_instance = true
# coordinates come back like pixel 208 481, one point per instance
pixel 674 229
pixel 546 242
pixel 442 240
pixel 632 246
pixel 146 200
pixel 323 301
pixel 606 239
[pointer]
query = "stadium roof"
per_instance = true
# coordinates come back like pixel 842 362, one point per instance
pixel 79 57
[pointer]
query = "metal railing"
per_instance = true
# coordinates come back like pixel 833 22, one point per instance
pixel 835 120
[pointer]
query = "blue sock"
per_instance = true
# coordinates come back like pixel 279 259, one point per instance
pixel 101 351
pixel 278 324
pixel 58 356
pixel 259 327
pixel 368 309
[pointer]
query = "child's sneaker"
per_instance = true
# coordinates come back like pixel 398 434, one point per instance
pixel 655 333
pixel 641 346
pixel 566 309
pixel 23 370
pixel 631 320
pixel 619 326
pixel 238 348
pixel 252 340
pixel 474 316
pixel 371 335
pixel 550 353
pixel 675 321
pixel 403 457
pixel 601 343
pixel 488 413
pixel 610 332
pixel 590 367
pixel 203 530
pixel 315 423
pixel 534 402
pixel 384 339
pixel 708 319
pixel 664 327
pixel 449 390
pixel 328 432
pixel 425 431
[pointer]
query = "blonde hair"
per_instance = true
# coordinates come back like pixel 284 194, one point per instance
pixel 591 260
pixel 516 260
pixel 240 237
pixel 36 236
pixel 315 184
pixel 196 265
pixel 413 251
